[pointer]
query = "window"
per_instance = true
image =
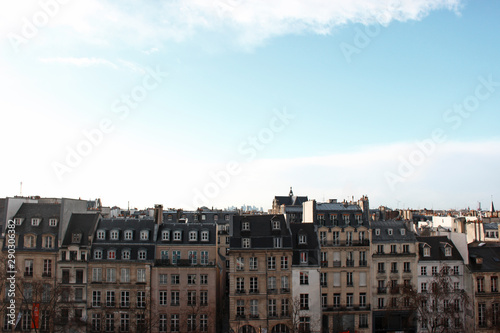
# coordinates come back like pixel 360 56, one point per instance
pixel 480 284
pixel 191 297
pixel 114 234
pixel 125 299
pixel 128 235
pixel 304 301
pixel 394 267
pixel 193 236
pixel 389 232
pixel 141 275
pixel 423 287
pixel 304 278
pixel 406 267
pixel 495 314
pixel 28 267
pixel 336 300
pixel 204 236
pixel 112 254
pixel 29 241
pixel 204 257
pixel 97 254
pixel 423 270
pixel 204 298
pixel 349 299
pixel 163 323
pixel 176 255
pixel 406 248
pixel 362 299
pixel 346 218
pixel 101 234
pixel 245 243
pixel 456 270
pixel 96 274
pixel 142 255
pixel 110 322
pixel 35 221
pixel 253 263
pixel 163 297
pixel 336 238
pixel 177 235
pixel 303 257
pixel 380 249
pixel 276 225
pixel 192 257
pixel 47 268
pixel 245 226
pixel 110 298
pixel 52 222
pixel 126 254
pixel 481 314
pixel 174 323
pixel 191 323
pixel 349 279
pixel 277 242
pixel 254 284
pixel 349 238
pixel 434 270
pixel 271 283
pixel 96 298
pixel 393 248
pixel 125 275
pixel 240 308
pixel 203 323
pixel 427 251
pixel 381 267
pixel 240 263
pixel 174 279
pixel 191 279
pixel 271 262
pixel 240 285
pixel 363 320
pixel 447 251
pixel 323 279
pixel 48 242
pixel 284 307
pixel 302 239
pixel 254 308
pixel 381 303
pixel 494 284
pixel 304 324
pixel 124 322
pixel 165 235
pixel 110 275
pixel 456 286
pixel 284 262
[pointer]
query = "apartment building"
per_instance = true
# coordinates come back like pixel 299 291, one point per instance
pixel 185 278
pixel 394 266
pixel 344 235
pixel 260 275
pixel 119 273
pixel 440 264
pixel 484 267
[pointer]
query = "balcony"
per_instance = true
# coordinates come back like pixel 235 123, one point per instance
pixel 382 290
pixel 182 263
pixel 240 291
pixel 285 290
pixel 28 273
pixel 272 291
pixel 363 242
pixel 349 263
pixel 46 274
pixel 337 263
pixel 394 290
pixel 362 263
pixel 240 316
pixel 254 316
pixel 253 291
pixel 324 264
pixel 394 271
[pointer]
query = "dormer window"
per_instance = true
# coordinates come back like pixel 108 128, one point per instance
pixel 165 235
pixel 216 217
pixel 346 218
pixel 76 238
pixel 53 222
pixel 447 251
pixel 276 225
pixel 128 235
pixel 144 234
pixel 195 217
pixel 427 251
pixel 389 232
pixel 177 235
pixel 226 217
pixel 29 241
pixel 48 242
pixel 359 219
pixel 97 254
pixel 18 221
pixel 203 217
pixel 114 234
pixel 377 232
pixel 193 236
pixel 245 226
pixel 35 221
pixel 302 239
pixel 403 232
pixel 101 234
pixel 112 254
pixel 245 243
pixel 204 236
pixel 141 255
pixel 126 254
pixel 278 241
pixel 169 217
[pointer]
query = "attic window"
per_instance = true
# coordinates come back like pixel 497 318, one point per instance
pixel 169 217
pixel 403 231
pixel 144 235
pixel 245 226
pixel 226 217
pixel 276 225
pixel 53 222
pixel 114 234
pixel 204 236
pixel 193 236
pixel 203 217
pixel 128 234
pixel 177 235
pixel 216 217
pixel 101 234
pixel 447 251
pixel 76 238
pixel 427 251
pixel 389 232
pixel 302 239
pixel 377 232
pixel 35 221
pixel 165 235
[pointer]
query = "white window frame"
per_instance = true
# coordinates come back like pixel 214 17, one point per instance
pixel 128 235
pixel 144 234
pixel 193 236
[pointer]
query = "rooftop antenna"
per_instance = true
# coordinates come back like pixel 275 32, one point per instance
pixel 21 190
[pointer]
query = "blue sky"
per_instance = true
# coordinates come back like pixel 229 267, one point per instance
pixel 230 102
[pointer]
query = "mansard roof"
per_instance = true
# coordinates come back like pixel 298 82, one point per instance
pixel 385 235
pixel 83 224
pixel 122 225
pixel 310 244
pixel 185 229
pixel 261 231
pixel 437 245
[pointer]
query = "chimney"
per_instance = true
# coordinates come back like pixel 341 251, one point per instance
pixel 158 214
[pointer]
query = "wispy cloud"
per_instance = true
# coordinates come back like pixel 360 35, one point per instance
pixel 80 62
pixel 250 22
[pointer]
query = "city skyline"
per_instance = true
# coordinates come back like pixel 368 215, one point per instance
pixel 223 103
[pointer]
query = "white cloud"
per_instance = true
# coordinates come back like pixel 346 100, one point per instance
pixel 252 22
pixel 80 62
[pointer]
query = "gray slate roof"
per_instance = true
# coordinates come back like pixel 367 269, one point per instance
pixel 80 223
pixel 491 258
pixel 437 246
pixel 396 237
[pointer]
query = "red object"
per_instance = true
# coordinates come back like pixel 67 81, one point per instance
pixel 36 315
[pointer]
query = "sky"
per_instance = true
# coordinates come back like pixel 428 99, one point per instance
pixel 219 103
